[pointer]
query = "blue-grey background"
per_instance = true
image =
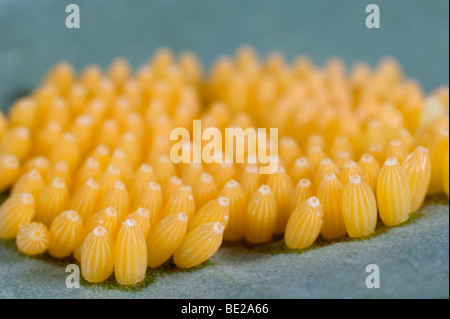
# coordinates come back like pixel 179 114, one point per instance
pixel 413 259
pixel 33 36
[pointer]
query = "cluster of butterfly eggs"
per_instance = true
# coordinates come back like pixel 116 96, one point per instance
pixel 87 159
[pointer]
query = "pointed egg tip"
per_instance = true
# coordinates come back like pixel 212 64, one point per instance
pixel 223 201
pixel 27 199
pixel 391 161
pixel 231 184
pixel 110 211
pixel 182 217
pixel 129 223
pixel 99 231
pixel 58 182
pixel 355 179
pixel 313 202
pixel 218 228
pixel 154 186
pixel 264 190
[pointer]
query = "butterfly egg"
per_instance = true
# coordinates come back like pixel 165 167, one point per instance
pixel 191 68
pixel 97 255
pixel 106 182
pixel 151 199
pixel 221 72
pixel 405 137
pixel 162 91
pixel 349 169
pixel 130 255
pixel 120 109
pixel 58 111
pixel 67 149
pixel 77 98
pixel 142 217
pixel 445 174
pixel 175 82
pixel 164 169
pixel 236 210
pixel 341 144
pixel 330 195
pixel 9 171
pixel 181 201
pixel 47 138
pixel 59 170
pixel 165 237
pixel 204 189
pixel 200 244
pixel 118 198
pixel 40 163
pixel 102 155
pixel 106 218
pixel 159 146
pixel 83 130
pixel 23 113
pixel 439 148
pixel 44 96
pixel 30 183
pixel 302 191
pixel 300 169
pixel 242 120
pixel 245 55
pixel 304 225
pixel 341 158
pixel 250 180
pixel 131 145
pixel 220 112
pixel 61 76
pixel 140 180
pixel 160 127
pixel 96 109
pixel 134 123
pixel 65 233
pixel 418 170
pixel 32 239
pixel 370 170
pixel 54 199
pixel 393 193
pixel 109 133
pixel 132 91
pixel 376 150
pixel 315 140
pixel 216 210
pixel 223 173
pixel 172 185
pixel 261 216
pixel 145 77
pixel 119 71
pixel 85 200
pixel 325 166
pixel 315 154
pixel 17 142
pixel 289 150
pixel 119 159
pixel 281 186
pixel 183 116
pixel 397 149
pixel 106 92
pixel 3 125
pixel 90 169
pixel 16 211
pixel 191 172
pixel 359 207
